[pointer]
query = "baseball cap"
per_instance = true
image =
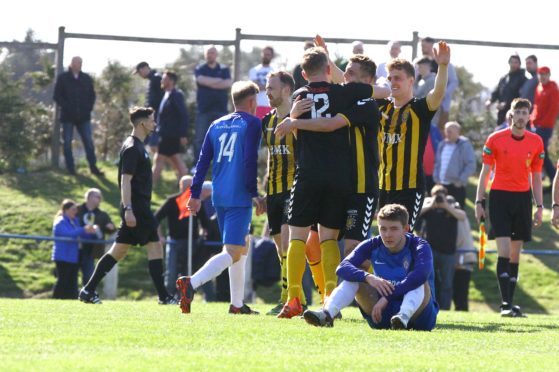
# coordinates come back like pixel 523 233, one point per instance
pixel 544 70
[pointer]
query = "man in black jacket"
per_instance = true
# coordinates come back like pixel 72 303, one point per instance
pixel 75 95
pixel 508 88
pixel 154 95
pixel 172 123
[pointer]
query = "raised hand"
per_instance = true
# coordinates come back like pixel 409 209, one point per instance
pixel 319 42
pixel 442 53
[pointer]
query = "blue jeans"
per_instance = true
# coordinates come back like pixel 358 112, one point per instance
pixel 444 276
pixel 176 261
pixel 84 129
pixel 203 121
pixel 548 166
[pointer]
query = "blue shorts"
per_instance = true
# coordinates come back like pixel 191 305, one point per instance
pixel 234 224
pixel 424 322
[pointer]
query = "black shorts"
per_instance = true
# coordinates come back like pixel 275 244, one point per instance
pixel 412 199
pixel 510 214
pixel 145 230
pixel 277 206
pixel 360 213
pixel 169 146
pixel 313 201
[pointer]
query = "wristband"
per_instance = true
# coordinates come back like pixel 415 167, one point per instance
pixel 479 201
pixel 539 206
pixel 127 207
pixel 554 205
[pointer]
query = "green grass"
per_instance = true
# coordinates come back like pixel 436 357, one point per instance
pixel 128 335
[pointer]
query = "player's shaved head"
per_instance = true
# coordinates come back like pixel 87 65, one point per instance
pixel 241 90
pixel 315 61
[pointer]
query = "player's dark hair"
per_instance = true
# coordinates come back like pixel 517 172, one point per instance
pixel 519 103
pixel 285 78
pixel 533 58
pixel 241 90
pixel 367 65
pixel 139 113
pixel 315 60
pixel 394 212
pixel 401 64
pixel 172 75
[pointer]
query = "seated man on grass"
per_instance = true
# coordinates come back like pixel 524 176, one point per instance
pixel 399 295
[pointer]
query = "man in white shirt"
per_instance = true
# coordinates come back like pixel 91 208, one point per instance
pixel 259 75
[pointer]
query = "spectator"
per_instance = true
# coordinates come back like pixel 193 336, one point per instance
pixel 426 77
pixel 508 88
pixel 154 95
pixel 89 213
pixel 439 220
pixel 75 95
pixel 464 265
pixel 455 162
pixel 544 114
pixel 356 48
pixel 172 123
pixel 176 213
pixel 297 71
pixel 258 74
pixel 213 82
pixel 529 87
pixel 451 85
pixel 65 254
pixel 394 49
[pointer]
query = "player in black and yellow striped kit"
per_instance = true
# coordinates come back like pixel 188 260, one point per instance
pixel 404 128
pixel 281 172
pixel 363 122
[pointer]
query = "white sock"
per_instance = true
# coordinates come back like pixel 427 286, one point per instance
pixel 341 297
pixel 411 302
pixel 212 268
pixel 237 281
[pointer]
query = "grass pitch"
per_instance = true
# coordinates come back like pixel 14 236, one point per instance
pixel 128 335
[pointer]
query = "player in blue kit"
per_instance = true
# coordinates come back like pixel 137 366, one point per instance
pixel 231 144
pixel 399 295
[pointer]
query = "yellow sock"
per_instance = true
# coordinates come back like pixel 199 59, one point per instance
pixel 330 261
pixel 296 264
pixel 315 263
pixel 283 298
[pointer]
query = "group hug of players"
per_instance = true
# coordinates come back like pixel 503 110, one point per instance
pixel 336 151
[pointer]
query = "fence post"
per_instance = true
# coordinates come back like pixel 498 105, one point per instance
pixel 55 143
pixel 414 41
pixel 237 56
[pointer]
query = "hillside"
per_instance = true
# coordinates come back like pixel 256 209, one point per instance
pixel 29 202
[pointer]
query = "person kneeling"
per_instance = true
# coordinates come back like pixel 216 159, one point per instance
pixel 399 294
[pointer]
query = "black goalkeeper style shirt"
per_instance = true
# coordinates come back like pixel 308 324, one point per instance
pixel 326 155
pixel 134 160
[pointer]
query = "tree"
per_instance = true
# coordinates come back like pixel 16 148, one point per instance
pixel 114 96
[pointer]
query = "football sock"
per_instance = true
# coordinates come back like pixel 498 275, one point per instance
pixel 341 297
pixel 503 278
pixel 411 303
pixel 237 281
pixel 211 269
pixel 296 265
pixel 330 261
pixel 513 279
pixel 315 263
pixel 283 298
pixel 105 264
pixel 156 273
